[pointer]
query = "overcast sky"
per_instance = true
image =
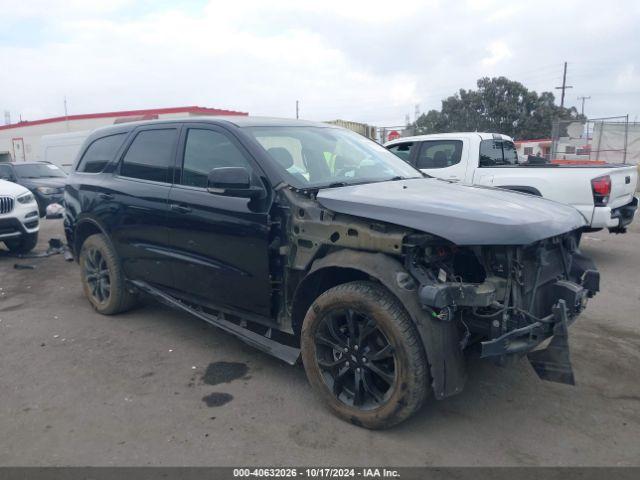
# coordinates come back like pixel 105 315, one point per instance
pixel 369 61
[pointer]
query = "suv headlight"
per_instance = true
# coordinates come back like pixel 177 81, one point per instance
pixel 49 190
pixel 26 198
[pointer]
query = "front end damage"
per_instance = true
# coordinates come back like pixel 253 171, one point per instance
pixel 502 301
pixel 508 299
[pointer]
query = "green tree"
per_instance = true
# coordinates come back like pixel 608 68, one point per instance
pixel 498 105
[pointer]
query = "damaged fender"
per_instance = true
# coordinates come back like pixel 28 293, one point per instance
pixel 440 339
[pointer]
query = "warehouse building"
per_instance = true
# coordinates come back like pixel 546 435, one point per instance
pixel 22 141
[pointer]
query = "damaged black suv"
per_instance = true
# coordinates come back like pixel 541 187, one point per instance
pixel 309 241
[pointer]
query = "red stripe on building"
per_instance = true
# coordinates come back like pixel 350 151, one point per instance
pixel 155 111
pixel 537 140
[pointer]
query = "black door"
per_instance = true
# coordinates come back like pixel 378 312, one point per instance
pixel 219 243
pixel 135 204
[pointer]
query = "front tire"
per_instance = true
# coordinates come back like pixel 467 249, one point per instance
pixel 24 244
pixel 363 355
pixel 103 281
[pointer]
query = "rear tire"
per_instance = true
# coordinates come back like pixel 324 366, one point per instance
pixel 24 244
pixel 103 281
pixel 369 365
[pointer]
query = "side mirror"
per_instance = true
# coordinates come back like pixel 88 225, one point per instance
pixel 233 182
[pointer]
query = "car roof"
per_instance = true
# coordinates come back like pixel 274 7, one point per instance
pixel 240 121
pixel 417 138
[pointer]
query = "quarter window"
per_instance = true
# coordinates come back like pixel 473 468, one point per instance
pixel 150 156
pixel 439 154
pixel 99 153
pixel 205 150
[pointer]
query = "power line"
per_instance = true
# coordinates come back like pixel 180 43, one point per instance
pixel 583 99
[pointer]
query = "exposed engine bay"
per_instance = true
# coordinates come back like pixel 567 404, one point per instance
pixel 507 299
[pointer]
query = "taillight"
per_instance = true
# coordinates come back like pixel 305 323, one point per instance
pixel 601 187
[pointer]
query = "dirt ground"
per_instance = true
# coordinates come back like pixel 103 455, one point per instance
pixel 157 387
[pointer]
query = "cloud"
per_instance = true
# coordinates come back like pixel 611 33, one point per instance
pixel 498 51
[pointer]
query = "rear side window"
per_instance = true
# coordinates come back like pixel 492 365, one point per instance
pixel 402 150
pixel 205 150
pixel 497 153
pixel 150 155
pixel 439 154
pixel 99 153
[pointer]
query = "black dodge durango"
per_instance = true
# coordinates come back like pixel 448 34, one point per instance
pixel 313 243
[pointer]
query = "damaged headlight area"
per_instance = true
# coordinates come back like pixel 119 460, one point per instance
pixel 508 299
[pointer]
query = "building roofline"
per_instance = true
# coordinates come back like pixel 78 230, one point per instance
pixel 125 113
pixel 534 140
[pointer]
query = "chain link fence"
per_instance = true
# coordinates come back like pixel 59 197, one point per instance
pixel 596 140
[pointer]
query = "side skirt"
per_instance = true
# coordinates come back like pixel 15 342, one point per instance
pixel 262 342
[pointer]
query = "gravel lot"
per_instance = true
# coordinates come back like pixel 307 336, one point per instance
pixel 157 387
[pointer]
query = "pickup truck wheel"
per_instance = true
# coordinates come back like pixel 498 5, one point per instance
pixel 24 244
pixel 363 356
pixel 102 279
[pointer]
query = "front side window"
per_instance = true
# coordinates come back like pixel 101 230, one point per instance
pixel 100 153
pixel 6 173
pixel 318 157
pixel 39 170
pixel 439 154
pixel 205 150
pixel 498 153
pixel 150 155
pixel 402 150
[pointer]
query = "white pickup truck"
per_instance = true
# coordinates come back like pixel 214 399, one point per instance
pixel 603 194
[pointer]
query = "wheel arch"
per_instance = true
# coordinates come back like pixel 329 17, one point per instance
pixel 439 339
pixel 83 230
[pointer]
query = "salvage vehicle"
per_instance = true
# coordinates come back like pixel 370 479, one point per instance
pixel 19 222
pixel 311 242
pixel 604 194
pixel 45 180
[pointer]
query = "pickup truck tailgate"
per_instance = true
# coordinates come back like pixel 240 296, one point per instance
pixel 624 179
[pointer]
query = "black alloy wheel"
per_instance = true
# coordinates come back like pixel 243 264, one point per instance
pixel 356 359
pixel 97 275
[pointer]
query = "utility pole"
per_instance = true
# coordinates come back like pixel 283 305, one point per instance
pixel 564 85
pixel 583 99
pixel 65 106
pixel 297 109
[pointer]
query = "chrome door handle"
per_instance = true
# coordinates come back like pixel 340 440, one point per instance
pixel 180 208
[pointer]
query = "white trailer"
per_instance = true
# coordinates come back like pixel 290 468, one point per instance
pixel 61 149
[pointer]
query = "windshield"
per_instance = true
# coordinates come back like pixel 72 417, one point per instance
pixel 327 157
pixel 39 170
